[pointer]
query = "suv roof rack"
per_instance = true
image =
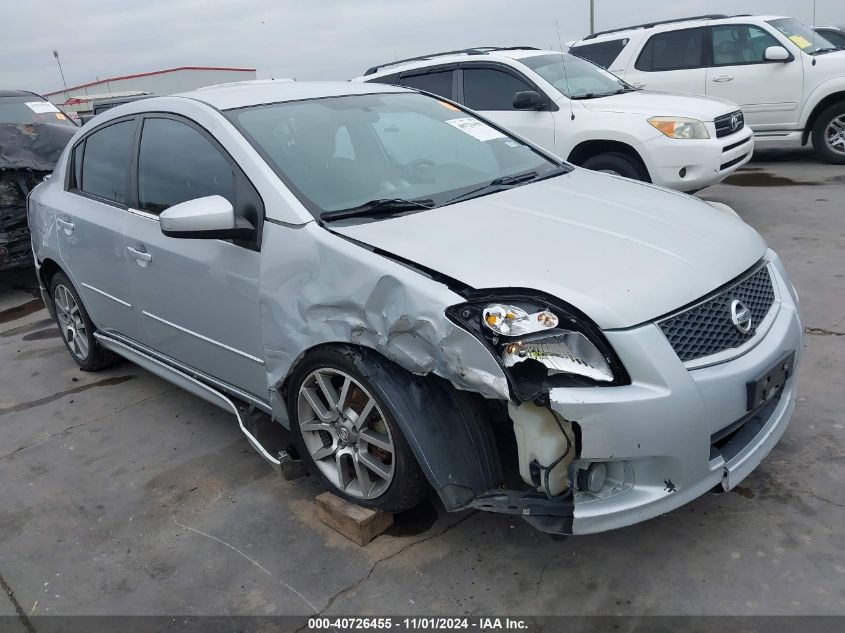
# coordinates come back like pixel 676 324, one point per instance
pixel 476 50
pixel 649 25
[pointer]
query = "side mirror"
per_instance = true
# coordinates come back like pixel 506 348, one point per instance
pixel 776 54
pixel 212 217
pixel 528 100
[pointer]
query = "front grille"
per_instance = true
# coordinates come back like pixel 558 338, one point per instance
pixel 706 327
pixel 725 126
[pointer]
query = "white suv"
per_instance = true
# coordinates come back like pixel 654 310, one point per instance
pixel 788 79
pixel 585 114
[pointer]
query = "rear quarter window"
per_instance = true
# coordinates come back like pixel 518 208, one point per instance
pixel 601 53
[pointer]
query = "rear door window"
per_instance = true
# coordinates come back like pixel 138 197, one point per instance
pixel 672 50
pixel 105 162
pixel 491 89
pixel 439 83
pixel 600 53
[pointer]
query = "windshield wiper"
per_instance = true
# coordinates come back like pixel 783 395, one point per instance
pixel 380 206
pixel 507 181
pixel 828 49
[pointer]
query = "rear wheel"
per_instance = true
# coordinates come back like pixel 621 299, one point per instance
pixel 76 327
pixel 348 435
pixel 829 134
pixel 615 163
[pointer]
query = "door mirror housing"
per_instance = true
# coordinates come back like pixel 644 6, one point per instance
pixel 776 54
pixel 211 217
pixel 529 100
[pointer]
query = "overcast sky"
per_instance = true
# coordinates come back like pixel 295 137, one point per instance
pixel 308 39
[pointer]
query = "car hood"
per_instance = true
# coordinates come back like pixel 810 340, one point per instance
pixel 620 251
pixel 33 145
pixel 653 103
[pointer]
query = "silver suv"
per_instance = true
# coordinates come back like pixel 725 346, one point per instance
pixel 423 299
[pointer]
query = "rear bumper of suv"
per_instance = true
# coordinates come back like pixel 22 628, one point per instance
pixel 688 165
pixel 674 432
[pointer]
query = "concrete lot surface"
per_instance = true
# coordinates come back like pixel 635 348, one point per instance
pixel 120 494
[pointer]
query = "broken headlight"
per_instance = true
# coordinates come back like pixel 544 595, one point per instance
pixel 541 343
pixel 560 352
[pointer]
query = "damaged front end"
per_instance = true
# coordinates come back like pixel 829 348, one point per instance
pixel 28 153
pixel 542 344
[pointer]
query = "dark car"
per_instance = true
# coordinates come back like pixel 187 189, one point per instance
pixel 833 34
pixel 33 133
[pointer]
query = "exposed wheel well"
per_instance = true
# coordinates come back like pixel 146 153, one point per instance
pixel 451 432
pixel 586 149
pixel 825 103
pixel 48 269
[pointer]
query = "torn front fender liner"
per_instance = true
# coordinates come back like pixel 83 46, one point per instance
pixel 445 427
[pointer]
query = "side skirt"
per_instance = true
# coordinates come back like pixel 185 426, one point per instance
pixel 191 384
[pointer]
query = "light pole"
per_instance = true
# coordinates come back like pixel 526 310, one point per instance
pixel 61 72
pixel 592 16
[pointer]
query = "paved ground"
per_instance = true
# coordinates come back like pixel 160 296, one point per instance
pixel 122 495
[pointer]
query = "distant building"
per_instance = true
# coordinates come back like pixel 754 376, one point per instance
pixel 159 82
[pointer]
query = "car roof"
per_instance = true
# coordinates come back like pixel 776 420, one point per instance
pixel 239 95
pixel 452 57
pixel 18 93
pixel 671 25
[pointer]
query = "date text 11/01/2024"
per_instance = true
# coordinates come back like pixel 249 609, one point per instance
pixel 418 623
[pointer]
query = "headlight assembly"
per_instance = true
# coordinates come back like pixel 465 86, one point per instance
pixel 560 352
pixel 540 344
pixel 680 127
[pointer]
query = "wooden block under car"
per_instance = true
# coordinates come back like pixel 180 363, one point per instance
pixel 358 524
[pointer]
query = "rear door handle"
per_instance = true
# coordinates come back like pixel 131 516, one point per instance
pixel 66 225
pixel 720 78
pixel 638 85
pixel 141 256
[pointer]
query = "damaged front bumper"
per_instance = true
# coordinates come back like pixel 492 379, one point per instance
pixel 15 184
pixel 672 434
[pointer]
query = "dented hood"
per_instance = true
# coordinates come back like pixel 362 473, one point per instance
pixel 34 146
pixel 622 252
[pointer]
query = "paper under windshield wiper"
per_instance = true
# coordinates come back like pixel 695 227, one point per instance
pixel 380 206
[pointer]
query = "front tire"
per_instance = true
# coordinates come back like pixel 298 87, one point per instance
pixel 76 327
pixel 617 164
pixel 829 134
pixel 347 433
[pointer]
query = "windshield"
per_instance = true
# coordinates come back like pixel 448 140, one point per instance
pixel 574 77
pixel 31 109
pixel 339 153
pixel 802 36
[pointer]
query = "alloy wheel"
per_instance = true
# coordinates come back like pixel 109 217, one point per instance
pixel 346 434
pixel 834 134
pixel 71 323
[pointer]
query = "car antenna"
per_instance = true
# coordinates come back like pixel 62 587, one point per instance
pixel 565 74
pixel 814 32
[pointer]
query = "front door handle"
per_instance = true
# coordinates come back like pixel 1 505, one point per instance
pixel 720 78
pixel 638 85
pixel 66 225
pixel 141 256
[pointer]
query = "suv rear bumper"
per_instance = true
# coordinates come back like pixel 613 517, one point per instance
pixel 705 162
pixel 659 436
